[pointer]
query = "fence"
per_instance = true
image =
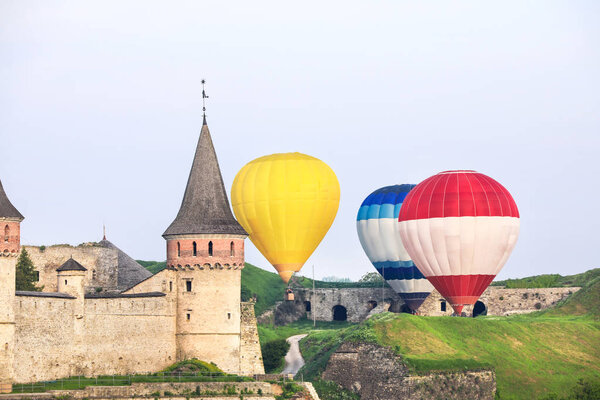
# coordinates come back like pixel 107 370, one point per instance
pixel 81 382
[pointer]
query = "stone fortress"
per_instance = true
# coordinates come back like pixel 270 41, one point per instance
pixel 357 304
pixel 102 313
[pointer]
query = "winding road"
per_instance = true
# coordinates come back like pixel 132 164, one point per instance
pixel 293 358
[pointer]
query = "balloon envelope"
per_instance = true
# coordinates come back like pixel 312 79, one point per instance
pixel 286 202
pixel 378 231
pixel 459 227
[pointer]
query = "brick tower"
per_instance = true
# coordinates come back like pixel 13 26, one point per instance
pixel 10 247
pixel 205 246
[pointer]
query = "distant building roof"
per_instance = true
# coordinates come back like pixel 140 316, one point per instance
pixel 71 265
pixel 130 272
pixel 205 208
pixel 123 296
pixel 57 295
pixel 7 210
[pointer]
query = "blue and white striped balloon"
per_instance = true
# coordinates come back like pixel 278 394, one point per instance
pixel 378 231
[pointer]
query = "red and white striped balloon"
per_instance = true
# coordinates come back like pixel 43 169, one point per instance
pixel 459 227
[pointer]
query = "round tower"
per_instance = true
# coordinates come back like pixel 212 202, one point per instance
pixel 205 245
pixel 10 247
pixel 70 278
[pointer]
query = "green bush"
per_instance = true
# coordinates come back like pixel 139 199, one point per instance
pixel 273 353
pixel 328 390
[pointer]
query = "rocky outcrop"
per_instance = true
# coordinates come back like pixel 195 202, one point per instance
pixel 377 373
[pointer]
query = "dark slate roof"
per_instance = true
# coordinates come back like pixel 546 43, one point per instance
pixel 205 207
pixel 58 295
pixel 122 296
pixel 71 265
pixel 7 210
pixel 130 272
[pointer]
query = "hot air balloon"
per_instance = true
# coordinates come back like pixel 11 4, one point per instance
pixel 459 227
pixel 379 234
pixel 286 202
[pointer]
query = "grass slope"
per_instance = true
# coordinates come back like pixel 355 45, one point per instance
pixel 153 266
pixel 534 355
pixel 550 280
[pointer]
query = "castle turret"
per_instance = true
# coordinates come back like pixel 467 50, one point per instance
pixel 70 278
pixel 10 247
pixel 205 245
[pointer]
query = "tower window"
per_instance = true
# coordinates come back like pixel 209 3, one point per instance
pixel 210 249
pixel 65 281
pixel 188 316
pixel 6 233
pixel 231 249
pixel 178 250
pixel 195 249
pixel 171 286
pixel 188 286
pixel 228 315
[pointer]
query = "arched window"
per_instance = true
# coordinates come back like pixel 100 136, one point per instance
pixel 6 233
pixel 178 250
pixel 231 249
pixel 195 249
pixel 210 249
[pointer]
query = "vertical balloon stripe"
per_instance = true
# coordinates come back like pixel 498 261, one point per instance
pixel 379 234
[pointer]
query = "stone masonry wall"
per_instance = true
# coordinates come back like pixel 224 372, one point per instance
pixel 113 336
pixel 500 301
pixel 145 390
pixel 359 302
pixel 250 354
pixel 377 373
pixel 101 264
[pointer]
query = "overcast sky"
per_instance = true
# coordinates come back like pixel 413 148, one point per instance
pixel 100 111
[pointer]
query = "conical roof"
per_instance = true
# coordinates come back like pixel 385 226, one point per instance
pixel 7 210
pixel 71 265
pixel 130 272
pixel 205 208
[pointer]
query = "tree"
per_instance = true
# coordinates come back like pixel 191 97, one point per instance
pixel 26 275
pixel 273 353
pixel 371 277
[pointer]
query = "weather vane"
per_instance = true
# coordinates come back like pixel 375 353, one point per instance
pixel 204 97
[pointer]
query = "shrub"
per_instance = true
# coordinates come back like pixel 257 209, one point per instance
pixel 273 353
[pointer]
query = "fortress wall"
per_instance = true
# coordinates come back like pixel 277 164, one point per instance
pixel 355 300
pixel 101 264
pixel 497 301
pixel 44 328
pixel 114 336
pixel 501 301
pixel 127 336
pixel 163 281
pixel 250 354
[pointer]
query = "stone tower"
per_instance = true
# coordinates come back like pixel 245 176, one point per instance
pixel 10 247
pixel 205 246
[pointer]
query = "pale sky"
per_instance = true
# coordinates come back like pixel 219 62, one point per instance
pixel 100 111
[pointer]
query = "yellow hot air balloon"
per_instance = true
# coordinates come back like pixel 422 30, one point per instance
pixel 286 202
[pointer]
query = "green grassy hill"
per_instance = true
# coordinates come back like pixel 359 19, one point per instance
pixel 534 356
pixel 550 280
pixel 153 266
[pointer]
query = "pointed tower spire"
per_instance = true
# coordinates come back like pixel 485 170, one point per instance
pixel 7 210
pixel 205 207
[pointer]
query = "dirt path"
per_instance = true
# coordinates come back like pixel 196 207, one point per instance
pixel 293 358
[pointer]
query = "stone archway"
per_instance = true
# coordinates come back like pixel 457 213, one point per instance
pixel 340 313
pixel 371 304
pixel 307 306
pixel 479 309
